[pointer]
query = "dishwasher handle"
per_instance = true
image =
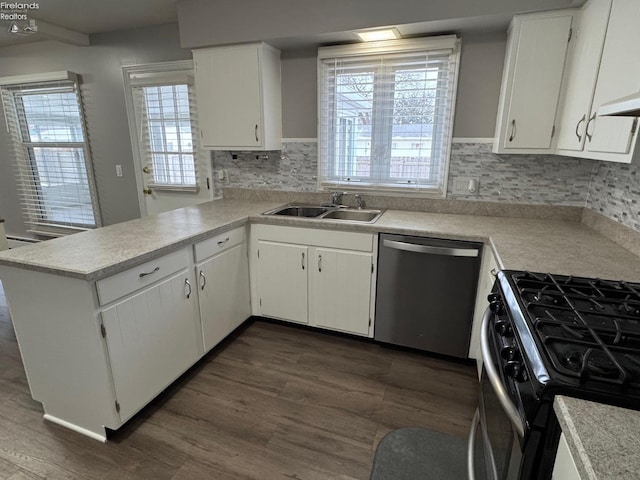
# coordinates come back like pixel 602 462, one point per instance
pixel 447 251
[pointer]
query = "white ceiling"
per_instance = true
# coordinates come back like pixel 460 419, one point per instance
pixel 96 16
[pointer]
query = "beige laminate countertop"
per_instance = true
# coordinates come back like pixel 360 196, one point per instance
pixel 603 440
pixel 520 244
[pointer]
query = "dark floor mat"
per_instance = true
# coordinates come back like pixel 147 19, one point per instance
pixel 419 454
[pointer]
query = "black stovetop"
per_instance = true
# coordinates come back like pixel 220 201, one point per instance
pixel 586 332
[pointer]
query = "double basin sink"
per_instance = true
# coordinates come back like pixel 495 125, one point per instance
pixel 338 212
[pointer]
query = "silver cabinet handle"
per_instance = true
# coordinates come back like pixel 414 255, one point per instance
pixel 586 130
pixel 513 130
pixel 413 247
pixel 222 242
pixel 492 373
pixel 204 280
pixel 144 274
pixel 320 263
pixel 302 261
pixel 471 446
pixel 256 133
pixel 188 285
pixel 584 117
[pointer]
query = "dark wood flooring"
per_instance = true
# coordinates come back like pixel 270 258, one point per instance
pixel 272 402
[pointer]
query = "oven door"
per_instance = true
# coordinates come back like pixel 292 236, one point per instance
pixel 495 441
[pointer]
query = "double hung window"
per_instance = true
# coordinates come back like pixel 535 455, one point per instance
pixel 386 114
pixel 45 120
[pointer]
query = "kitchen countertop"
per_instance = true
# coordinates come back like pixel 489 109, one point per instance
pixel 603 439
pixel 557 246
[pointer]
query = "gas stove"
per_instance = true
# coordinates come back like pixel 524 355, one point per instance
pixel 545 335
pixel 579 334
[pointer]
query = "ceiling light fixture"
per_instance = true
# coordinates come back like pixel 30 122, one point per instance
pixel 378 34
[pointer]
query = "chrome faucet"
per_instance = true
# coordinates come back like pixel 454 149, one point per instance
pixel 360 203
pixel 336 198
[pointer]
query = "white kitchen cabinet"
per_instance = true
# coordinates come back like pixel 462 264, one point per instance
pixel 565 466
pixel 531 82
pixel 603 67
pixel 488 271
pixel 238 97
pixel 282 278
pixel 341 285
pixel 581 74
pixel 152 338
pixel 223 288
pixel 319 277
pixel 614 138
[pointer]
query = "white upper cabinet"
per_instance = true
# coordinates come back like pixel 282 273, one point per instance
pixel 614 138
pixel 531 82
pixel 589 32
pixel 238 97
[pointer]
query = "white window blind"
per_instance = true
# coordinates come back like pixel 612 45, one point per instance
pixel 386 114
pixel 52 158
pixel 166 126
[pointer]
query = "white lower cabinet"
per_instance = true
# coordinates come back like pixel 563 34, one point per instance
pixel 223 291
pixel 316 277
pixel 565 466
pixel 341 283
pixel 488 272
pixel 283 281
pixel 152 338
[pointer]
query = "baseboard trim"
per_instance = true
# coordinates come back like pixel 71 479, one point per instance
pixel 76 428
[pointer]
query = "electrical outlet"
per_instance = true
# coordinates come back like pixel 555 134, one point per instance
pixel 222 175
pixel 118 170
pixel 465 186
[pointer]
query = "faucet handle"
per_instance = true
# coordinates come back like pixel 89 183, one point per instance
pixel 360 203
pixel 336 197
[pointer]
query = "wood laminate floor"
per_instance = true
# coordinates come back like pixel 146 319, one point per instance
pixel 273 402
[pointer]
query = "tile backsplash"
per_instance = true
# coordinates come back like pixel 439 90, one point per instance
pixel 611 189
pixel 531 179
pixel 615 192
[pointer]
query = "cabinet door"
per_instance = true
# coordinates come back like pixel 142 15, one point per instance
pixel 229 96
pixel 223 284
pixel 619 75
pixel 282 281
pixel 541 47
pixel 341 290
pixel 582 72
pixel 152 338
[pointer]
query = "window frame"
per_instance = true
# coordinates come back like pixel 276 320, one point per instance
pixel 326 137
pixel 24 150
pixel 186 69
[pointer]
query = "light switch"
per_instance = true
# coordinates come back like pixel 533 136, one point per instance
pixel 118 170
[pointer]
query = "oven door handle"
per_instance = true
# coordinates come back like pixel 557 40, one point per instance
pixel 492 373
pixel 471 446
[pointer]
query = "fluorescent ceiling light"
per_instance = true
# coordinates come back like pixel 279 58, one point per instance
pixel 378 34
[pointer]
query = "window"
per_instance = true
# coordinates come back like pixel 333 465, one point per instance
pixel 52 158
pixel 386 114
pixel 164 120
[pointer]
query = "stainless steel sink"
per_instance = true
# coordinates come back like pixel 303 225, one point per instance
pixel 307 211
pixel 353 215
pixel 321 212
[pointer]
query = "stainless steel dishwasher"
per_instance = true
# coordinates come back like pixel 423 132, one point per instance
pixel 426 292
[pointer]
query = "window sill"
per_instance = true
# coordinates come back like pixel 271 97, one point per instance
pixel 411 192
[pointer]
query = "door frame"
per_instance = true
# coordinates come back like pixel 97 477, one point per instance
pixel 131 114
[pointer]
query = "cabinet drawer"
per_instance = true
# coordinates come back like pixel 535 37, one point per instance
pixel 124 283
pixel 219 243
